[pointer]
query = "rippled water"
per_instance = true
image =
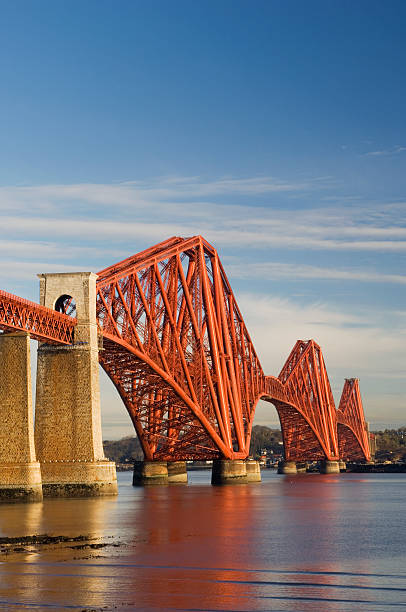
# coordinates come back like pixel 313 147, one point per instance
pixel 308 542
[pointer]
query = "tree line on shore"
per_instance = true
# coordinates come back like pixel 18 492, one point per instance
pixel 390 445
pixel 128 449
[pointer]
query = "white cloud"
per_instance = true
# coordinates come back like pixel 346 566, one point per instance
pixel 258 233
pixel 54 228
pixel 48 251
pixel 383 152
pixel 142 193
pixel 373 353
pixel 173 205
pixel 28 270
pixel 275 270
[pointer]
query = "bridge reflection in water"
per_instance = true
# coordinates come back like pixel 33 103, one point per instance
pixel 288 544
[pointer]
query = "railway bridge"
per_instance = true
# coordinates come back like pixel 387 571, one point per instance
pixel 165 326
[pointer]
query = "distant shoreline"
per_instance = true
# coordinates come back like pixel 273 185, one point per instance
pixel 365 468
pixel 377 468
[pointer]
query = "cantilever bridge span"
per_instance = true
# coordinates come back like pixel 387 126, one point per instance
pixel 176 347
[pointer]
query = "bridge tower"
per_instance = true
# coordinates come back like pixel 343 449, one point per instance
pixel 20 474
pixel 68 437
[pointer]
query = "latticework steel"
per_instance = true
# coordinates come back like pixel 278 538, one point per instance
pixel 178 351
pixel 18 314
pixel 353 435
pixel 176 347
pixel 308 415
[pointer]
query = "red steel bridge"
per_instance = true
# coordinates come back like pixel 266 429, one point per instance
pixel 176 347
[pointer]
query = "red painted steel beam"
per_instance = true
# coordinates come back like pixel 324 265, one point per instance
pixel 180 355
pixel 307 411
pixel 43 324
pixel 178 351
pixel 352 429
pixel 173 305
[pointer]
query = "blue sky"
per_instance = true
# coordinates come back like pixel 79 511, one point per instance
pixel 274 129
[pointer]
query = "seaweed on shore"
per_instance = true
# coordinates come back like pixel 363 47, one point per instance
pixel 43 539
pixel 19 544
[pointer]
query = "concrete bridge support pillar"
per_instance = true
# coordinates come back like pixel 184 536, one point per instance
pixel 342 465
pixel 228 471
pixel 177 473
pixel 253 470
pixel 20 473
pixel 329 467
pixel 150 473
pixel 68 434
pixel 287 467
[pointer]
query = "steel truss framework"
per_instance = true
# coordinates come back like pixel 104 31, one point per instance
pixel 18 314
pixel 308 416
pixel 176 347
pixel 352 429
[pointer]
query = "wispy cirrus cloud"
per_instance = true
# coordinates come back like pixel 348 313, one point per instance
pixel 264 229
pixel 372 353
pixel 384 152
pixel 347 341
pixel 144 193
pixel 47 251
pixel 92 225
pixel 285 271
pixel 173 205
pixel 27 270
pixel 260 232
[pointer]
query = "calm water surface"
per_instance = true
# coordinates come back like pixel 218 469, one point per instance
pixel 308 542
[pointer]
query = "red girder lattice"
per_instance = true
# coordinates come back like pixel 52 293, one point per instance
pixel 18 314
pixel 353 435
pixel 308 415
pixel 176 347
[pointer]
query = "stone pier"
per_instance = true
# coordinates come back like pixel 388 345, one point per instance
pixel 177 473
pixel 68 436
pixel 342 465
pixel 150 473
pixel 20 473
pixel 287 467
pixel 253 470
pixel 228 471
pixel 329 467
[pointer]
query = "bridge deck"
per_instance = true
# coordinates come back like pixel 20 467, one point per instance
pixel 43 324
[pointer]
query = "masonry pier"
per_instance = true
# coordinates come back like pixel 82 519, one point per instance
pixel 177 473
pixel 150 473
pixel 228 471
pixel 253 470
pixel 287 467
pixel 68 435
pixel 329 467
pixel 20 473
